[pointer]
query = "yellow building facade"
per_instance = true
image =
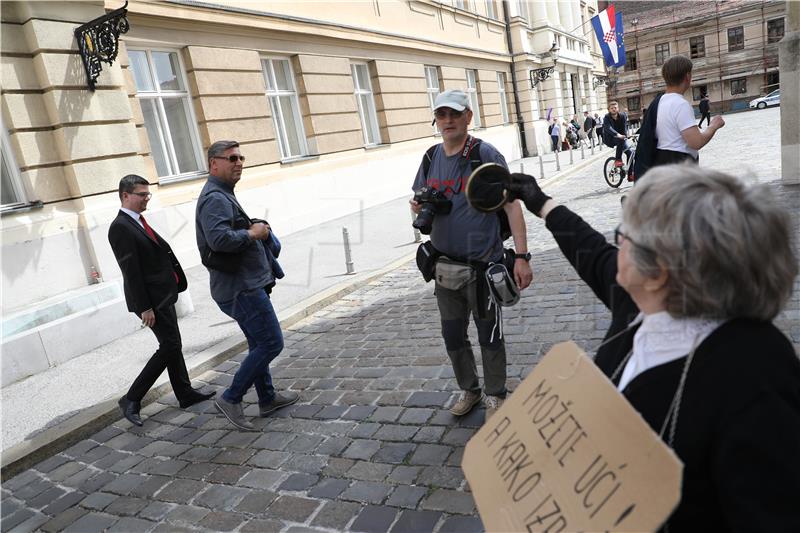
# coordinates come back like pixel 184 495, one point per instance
pixel 331 102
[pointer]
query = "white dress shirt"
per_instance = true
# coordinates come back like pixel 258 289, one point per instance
pixel 661 339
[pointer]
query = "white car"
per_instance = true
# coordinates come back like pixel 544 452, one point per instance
pixel 773 98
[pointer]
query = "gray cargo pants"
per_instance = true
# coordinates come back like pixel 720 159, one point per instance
pixel 455 307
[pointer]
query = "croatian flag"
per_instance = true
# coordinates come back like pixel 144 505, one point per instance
pixel 608 29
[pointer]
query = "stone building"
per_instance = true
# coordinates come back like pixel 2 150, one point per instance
pixel 331 102
pixel 733 45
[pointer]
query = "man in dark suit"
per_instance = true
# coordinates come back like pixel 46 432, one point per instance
pixel 152 280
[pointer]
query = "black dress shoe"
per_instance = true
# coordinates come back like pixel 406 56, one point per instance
pixel 130 410
pixel 195 397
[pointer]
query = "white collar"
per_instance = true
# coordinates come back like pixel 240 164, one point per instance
pixel 662 338
pixel 133 214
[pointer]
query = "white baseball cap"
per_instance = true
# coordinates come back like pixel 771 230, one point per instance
pixel 454 99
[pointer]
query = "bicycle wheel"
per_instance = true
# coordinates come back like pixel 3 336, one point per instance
pixel 612 173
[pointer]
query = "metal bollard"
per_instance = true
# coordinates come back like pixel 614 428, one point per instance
pixel 541 167
pixel 521 167
pixel 570 155
pixel 592 147
pixel 558 163
pixel 583 154
pixel 417 235
pixel 348 259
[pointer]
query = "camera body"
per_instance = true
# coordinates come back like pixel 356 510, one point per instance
pixel 433 202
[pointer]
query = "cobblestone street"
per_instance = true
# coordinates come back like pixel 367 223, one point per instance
pixel 371 445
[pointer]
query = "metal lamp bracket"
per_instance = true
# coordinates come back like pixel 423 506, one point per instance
pixel 98 41
pixel 540 74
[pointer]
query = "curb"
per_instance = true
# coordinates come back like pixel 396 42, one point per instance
pixel 83 424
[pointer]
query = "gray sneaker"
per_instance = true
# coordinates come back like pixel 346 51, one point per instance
pixel 233 412
pixel 466 401
pixel 282 399
pixel 492 403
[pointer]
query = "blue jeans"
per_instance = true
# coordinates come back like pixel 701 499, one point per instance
pixel 622 145
pixel 253 311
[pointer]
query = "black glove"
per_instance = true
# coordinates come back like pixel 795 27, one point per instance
pixel 525 188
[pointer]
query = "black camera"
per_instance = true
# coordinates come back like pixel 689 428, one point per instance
pixel 433 202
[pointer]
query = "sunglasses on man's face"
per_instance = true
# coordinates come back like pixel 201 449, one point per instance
pixel 445 113
pixel 232 158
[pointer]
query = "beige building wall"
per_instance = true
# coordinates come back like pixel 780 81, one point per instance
pixel 71 145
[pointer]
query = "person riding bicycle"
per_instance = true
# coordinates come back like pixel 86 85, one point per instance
pixel 615 126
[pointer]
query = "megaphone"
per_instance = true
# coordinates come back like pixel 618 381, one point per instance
pixel 488 188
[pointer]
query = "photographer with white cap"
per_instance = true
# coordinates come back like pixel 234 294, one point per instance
pixel 466 241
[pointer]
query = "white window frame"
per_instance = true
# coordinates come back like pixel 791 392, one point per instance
pixel 362 113
pixel 461 4
pixel 491 10
pixel 501 89
pixel 472 93
pixel 15 180
pixel 158 95
pixel 281 133
pixel 522 9
pixel 432 87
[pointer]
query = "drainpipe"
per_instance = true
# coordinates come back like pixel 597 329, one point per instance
pixel 520 122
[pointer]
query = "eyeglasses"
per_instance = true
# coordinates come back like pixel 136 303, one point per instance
pixel 445 113
pixel 232 158
pixel 145 195
pixel 619 236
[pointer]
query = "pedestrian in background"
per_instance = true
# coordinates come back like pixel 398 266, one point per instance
pixel 226 236
pixel 598 126
pixel 705 110
pixel 152 277
pixel 669 134
pixel 555 135
pixel 691 344
pixel 588 126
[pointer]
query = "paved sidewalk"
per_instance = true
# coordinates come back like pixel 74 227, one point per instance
pixel 68 403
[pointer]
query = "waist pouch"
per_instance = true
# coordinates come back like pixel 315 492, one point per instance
pixel 426 260
pixel 502 287
pixel 453 275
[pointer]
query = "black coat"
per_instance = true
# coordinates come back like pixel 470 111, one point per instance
pixel 738 429
pixel 148 269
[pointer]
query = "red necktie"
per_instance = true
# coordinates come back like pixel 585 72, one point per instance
pixel 148 229
pixel 152 235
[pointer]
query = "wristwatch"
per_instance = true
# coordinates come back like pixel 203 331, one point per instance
pixel 526 256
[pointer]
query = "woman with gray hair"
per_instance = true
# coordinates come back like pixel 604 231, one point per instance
pixel 701 266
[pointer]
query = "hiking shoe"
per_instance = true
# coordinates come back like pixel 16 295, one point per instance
pixel 466 401
pixel 234 413
pixel 492 403
pixel 282 399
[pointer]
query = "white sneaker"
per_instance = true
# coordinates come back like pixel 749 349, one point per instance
pixel 492 403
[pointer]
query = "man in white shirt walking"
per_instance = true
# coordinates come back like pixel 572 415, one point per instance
pixel 679 138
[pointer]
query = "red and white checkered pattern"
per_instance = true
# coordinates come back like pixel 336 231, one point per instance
pixel 610 36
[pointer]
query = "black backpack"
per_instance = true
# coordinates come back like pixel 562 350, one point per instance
pixel 474 157
pixel 647 146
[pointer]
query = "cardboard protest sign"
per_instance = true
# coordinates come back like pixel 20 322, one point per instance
pixel 567 452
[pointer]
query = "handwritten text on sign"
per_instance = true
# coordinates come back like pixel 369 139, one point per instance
pixel 567 452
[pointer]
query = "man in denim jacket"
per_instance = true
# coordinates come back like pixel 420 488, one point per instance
pixel 223 228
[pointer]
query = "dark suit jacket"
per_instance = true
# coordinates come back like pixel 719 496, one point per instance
pixel 148 269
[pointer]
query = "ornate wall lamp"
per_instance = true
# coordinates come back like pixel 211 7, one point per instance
pixel 98 41
pixel 541 74
pixel 605 81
